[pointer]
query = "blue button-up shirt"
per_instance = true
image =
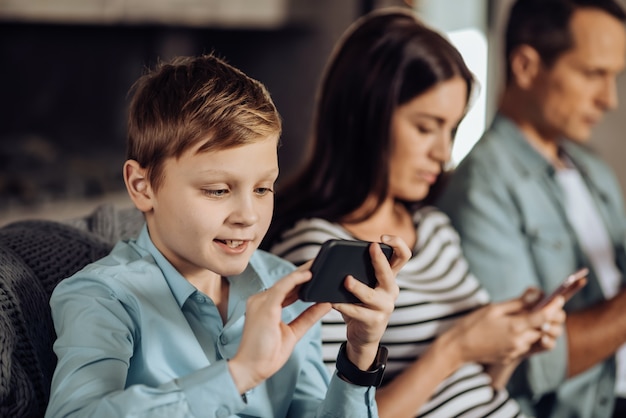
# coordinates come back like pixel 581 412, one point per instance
pixel 510 211
pixel 136 339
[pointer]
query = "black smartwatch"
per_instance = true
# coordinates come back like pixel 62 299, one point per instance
pixel 372 377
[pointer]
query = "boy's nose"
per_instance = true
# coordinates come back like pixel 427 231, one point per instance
pixel 245 212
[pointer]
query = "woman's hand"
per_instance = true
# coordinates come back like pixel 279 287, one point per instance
pixel 554 322
pixel 367 321
pixel 506 332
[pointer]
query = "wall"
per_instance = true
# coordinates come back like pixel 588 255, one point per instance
pixel 64 86
pixel 63 113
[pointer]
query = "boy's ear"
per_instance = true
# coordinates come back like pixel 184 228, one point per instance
pixel 525 64
pixel 138 185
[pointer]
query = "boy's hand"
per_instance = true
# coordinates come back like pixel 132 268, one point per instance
pixel 368 320
pixel 267 342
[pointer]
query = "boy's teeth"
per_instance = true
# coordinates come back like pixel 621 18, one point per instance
pixel 233 243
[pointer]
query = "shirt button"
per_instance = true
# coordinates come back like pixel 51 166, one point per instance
pixel 221 413
pixel 223 339
pixel 200 299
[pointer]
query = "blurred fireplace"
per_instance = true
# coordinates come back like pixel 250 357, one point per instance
pixel 68 65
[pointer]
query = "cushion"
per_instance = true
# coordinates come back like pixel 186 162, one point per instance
pixel 34 257
pixel 111 223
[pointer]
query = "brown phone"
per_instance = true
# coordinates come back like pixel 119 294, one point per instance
pixel 572 284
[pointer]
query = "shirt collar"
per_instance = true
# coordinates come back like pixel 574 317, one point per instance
pixel 527 155
pixel 515 141
pixel 180 287
pixel 249 282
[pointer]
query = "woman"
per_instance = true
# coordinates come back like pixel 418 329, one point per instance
pixel 392 97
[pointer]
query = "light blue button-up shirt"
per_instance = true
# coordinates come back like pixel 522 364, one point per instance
pixel 137 339
pixel 510 212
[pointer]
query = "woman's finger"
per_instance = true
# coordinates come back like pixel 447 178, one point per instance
pixel 552 312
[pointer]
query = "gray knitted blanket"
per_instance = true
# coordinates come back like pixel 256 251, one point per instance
pixel 34 257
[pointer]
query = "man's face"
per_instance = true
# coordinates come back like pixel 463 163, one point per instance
pixel 575 92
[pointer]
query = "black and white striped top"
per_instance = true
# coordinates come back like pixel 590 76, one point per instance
pixel 436 288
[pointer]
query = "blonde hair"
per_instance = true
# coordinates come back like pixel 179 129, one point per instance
pixel 195 101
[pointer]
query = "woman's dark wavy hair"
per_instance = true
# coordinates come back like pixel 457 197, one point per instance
pixel 384 60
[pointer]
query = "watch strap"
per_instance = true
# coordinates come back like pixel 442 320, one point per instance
pixel 351 373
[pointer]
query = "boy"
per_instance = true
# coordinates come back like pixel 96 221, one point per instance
pixel 190 319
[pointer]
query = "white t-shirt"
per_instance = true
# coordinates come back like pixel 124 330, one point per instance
pixel 595 242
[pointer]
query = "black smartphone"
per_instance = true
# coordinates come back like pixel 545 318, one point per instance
pixel 572 284
pixel 336 259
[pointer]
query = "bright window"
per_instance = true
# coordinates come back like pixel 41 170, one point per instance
pixel 473 47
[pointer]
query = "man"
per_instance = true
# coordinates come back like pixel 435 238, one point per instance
pixel 533 204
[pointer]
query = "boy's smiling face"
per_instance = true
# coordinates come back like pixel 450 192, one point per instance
pixel 213 208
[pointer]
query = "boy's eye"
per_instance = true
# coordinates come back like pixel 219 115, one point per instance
pixel 262 191
pixel 215 192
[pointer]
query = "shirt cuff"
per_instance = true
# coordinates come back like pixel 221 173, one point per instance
pixel 212 391
pixel 345 399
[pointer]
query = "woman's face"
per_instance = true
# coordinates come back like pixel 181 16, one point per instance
pixel 422 130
